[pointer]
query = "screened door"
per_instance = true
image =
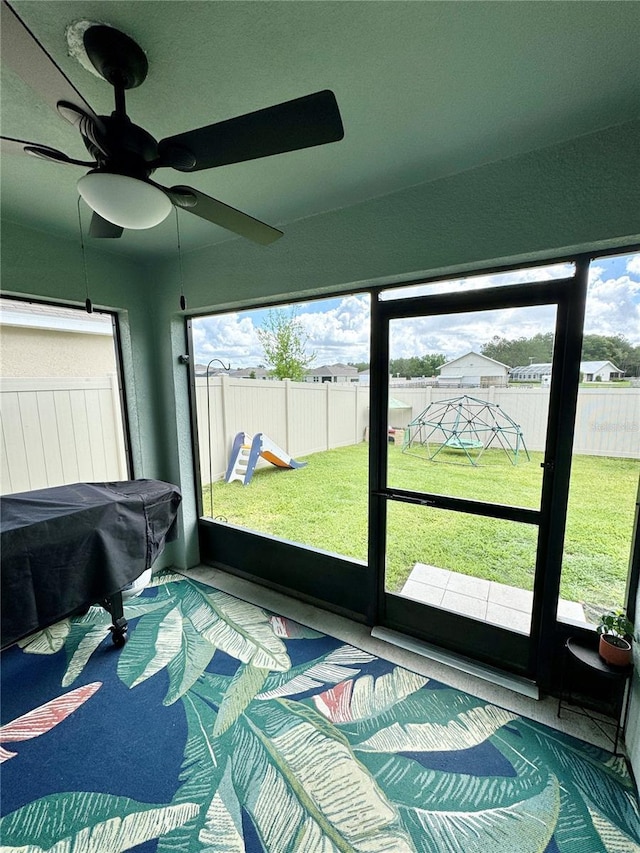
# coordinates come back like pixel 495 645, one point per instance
pixel 466 471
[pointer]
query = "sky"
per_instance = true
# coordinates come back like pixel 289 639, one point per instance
pixel 338 329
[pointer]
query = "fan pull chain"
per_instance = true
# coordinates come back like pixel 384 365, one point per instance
pixel 183 301
pixel 87 303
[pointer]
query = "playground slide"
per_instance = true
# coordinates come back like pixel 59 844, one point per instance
pixel 245 454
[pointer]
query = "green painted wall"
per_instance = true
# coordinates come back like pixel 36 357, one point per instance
pixel 582 194
pixel 39 265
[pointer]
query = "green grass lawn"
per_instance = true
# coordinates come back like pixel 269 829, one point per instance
pixel 324 505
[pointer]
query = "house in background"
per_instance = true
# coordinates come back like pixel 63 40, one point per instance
pixel 252 373
pixel 473 370
pixel 332 373
pixel 539 372
pixel 54 341
pixel 480 144
pixel 60 397
pixel 600 371
pixel 591 371
pixel 239 372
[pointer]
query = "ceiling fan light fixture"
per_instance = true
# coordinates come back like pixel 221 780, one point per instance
pixel 124 201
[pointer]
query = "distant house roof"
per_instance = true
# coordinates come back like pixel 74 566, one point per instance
pixel 214 370
pixel 32 315
pixel 239 372
pixel 337 369
pixel 478 355
pixel 544 368
pixel 540 368
pixel 596 366
pixel 251 373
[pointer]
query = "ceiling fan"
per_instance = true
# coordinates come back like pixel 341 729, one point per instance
pixel 118 185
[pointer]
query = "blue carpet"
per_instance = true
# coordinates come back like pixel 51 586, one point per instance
pixel 221 728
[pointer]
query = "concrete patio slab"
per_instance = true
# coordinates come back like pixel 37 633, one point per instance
pixel 431 575
pixel 511 596
pixel 508 617
pixel 497 603
pixel 465 604
pixel 475 587
pixel 570 610
pixel 423 592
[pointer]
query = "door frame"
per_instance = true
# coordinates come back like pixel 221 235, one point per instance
pixel 276 570
pixel 521 654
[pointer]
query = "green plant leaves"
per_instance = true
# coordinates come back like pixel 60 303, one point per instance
pixel 367 697
pixel 410 784
pixel 187 626
pixel 86 822
pixel 241 630
pixel 526 826
pixel 343 662
pixel 594 785
pixel 245 685
pixel 468 729
pixel 326 799
pixel 46 642
pixel 337 770
pixel 157 641
pixel 222 829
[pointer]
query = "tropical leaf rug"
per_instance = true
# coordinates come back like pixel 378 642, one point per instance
pixel 220 727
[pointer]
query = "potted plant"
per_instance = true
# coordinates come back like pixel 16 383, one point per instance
pixel 616 635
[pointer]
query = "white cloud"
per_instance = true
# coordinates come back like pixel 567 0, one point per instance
pixel 341 333
pixel 455 334
pixel 613 308
pixel 229 337
pixel 479 282
pixel 338 328
pixel 633 265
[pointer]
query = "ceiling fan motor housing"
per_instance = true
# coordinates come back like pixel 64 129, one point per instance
pixel 123 147
pixel 115 56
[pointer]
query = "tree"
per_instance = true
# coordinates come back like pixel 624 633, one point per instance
pixel 520 352
pixel 410 368
pixel 614 348
pixel 283 340
pixel 416 366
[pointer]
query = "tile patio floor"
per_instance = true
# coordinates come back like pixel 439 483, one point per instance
pixel 507 606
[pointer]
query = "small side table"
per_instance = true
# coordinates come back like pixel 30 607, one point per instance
pixel 615 680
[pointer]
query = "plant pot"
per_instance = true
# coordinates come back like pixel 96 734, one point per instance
pixel 615 651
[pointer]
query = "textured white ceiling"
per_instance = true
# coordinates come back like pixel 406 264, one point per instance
pixel 425 89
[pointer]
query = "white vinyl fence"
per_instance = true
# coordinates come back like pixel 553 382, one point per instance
pixel 61 430
pixel 64 430
pixel 300 417
pixel 305 418
pixel 607 419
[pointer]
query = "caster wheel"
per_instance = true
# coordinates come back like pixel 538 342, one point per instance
pixel 118 639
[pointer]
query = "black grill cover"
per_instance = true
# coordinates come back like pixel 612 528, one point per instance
pixel 67 547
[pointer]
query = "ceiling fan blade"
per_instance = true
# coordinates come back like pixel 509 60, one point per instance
pixel 85 122
pixel 301 123
pixel 221 214
pixel 100 227
pixel 43 152
pixel 25 55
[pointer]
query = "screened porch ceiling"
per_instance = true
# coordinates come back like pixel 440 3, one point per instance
pixel 426 89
